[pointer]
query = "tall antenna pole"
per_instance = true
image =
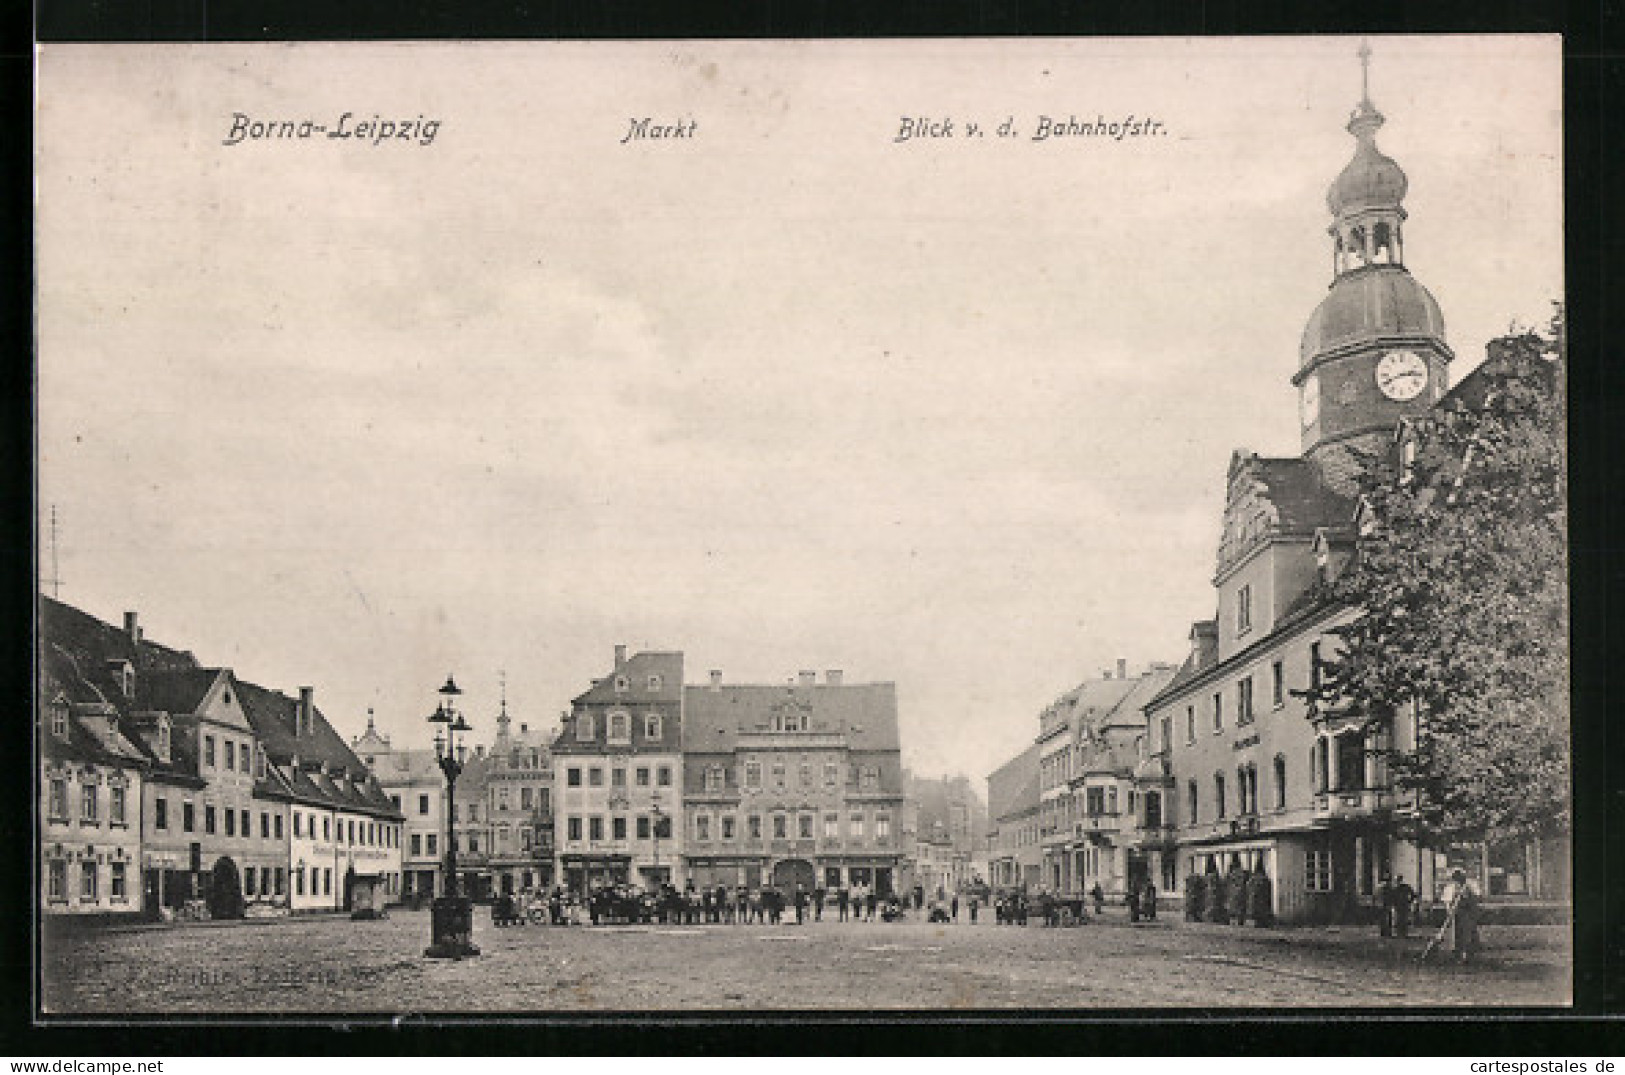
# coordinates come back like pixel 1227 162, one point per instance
pixel 55 580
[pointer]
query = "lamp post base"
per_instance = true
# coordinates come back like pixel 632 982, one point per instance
pixel 451 929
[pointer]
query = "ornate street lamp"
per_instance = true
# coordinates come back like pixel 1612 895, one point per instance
pixel 452 916
pixel 658 815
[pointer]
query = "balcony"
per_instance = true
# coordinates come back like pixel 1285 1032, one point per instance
pixel 1350 803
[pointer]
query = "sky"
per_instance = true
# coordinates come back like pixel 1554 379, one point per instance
pixel 785 394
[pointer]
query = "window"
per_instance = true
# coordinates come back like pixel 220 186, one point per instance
pixel 231 754
pixel 1218 712
pixel 855 826
pixel 116 886
pixel 1190 803
pixel 778 775
pixel 59 798
pixel 804 826
pixel 299 881
pixel 714 777
pixel 423 804
pixel 620 728
pixel 208 751
pixel 1190 724
pixel 584 726
pixel 87 882
pixel 572 777
pixel 595 828
pixel 832 774
pixel 1277 685
pixel 1218 795
pixel 753 774
pixel 663 776
pixel 1318 871
pixel 832 826
pixel 702 827
pixel 622 684
pixel 160 813
pixel 1094 801
pixel 189 817
pixel 327 824
pixel 617 777
pixel 755 826
pixel 88 804
pixel 869 778
pixel 1244 609
pixel 1280 782
pixel 544 802
pixel 882 826
pixel 259 767
pixel 1314 665
pixel 56 886
pixel 208 819
pixel 1111 800
pixel 231 822
pixel 806 775
pixel 780 828
pixel 643 827
pixel 651 723
pixel 1350 761
pixel 643 776
pixel 526 799
pixel 276 825
pixel 617 828
pixel 1166 726
pixel 473 843
pixel 327 881
pixel 59 721
pixel 417 843
pixel 595 777
pixel 430 841
pixel 265 826
pixel 1244 700
pixel 351 826
pixel 654 683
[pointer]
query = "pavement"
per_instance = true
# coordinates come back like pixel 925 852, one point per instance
pixel 330 966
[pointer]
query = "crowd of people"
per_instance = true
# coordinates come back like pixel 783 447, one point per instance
pixel 721 905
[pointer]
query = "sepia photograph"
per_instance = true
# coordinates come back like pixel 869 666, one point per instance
pixel 956 525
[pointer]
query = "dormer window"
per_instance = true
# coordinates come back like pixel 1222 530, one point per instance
pixel 620 728
pixel 622 684
pixel 651 725
pixel 59 719
pixel 259 763
pixel 654 683
pixel 584 726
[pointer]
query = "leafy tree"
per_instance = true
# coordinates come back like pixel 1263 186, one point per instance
pixel 1460 573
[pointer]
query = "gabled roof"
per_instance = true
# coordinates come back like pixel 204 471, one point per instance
pixel 865 713
pixel 176 691
pixel 274 718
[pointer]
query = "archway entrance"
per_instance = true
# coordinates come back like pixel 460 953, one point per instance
pixel 225 890
pixel 792 872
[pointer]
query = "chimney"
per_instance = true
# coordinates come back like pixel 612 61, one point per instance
pixel 620 657
pixel 132 628
pixel 833 677
pixel 1122 668
pixel 808 678
pixel 307 711
pixel 716 679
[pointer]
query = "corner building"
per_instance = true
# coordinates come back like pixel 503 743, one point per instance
pixel 792 785
pixel 1253 777
pixel 616 764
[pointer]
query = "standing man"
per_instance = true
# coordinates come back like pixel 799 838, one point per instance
pixel 869 901
pixel 1150 906
pixel 818 904
pixel 1404 901
pixel 842 898
pixel 801 905
pixel 1385 899
pixel 954 903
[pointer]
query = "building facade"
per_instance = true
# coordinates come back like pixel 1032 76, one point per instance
pixel 795 785
pixel 1015 855
pixel 417 788
pixel 617 763
pixel 519 806
pixel 944 835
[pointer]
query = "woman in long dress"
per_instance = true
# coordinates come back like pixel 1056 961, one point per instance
pixel 1459 937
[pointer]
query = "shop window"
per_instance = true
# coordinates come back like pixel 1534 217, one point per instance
pixel 1318 871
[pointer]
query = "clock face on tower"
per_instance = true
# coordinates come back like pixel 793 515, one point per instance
pixel 1402 375
pixel 1309 400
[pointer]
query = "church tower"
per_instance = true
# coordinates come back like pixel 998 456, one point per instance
pixel 1374 350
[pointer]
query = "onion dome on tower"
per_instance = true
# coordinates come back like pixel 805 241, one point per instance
pixel 1374 350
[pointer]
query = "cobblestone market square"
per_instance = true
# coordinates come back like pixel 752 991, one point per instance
pixel 331 965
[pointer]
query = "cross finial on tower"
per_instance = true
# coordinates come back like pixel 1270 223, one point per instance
pixel 1365 70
